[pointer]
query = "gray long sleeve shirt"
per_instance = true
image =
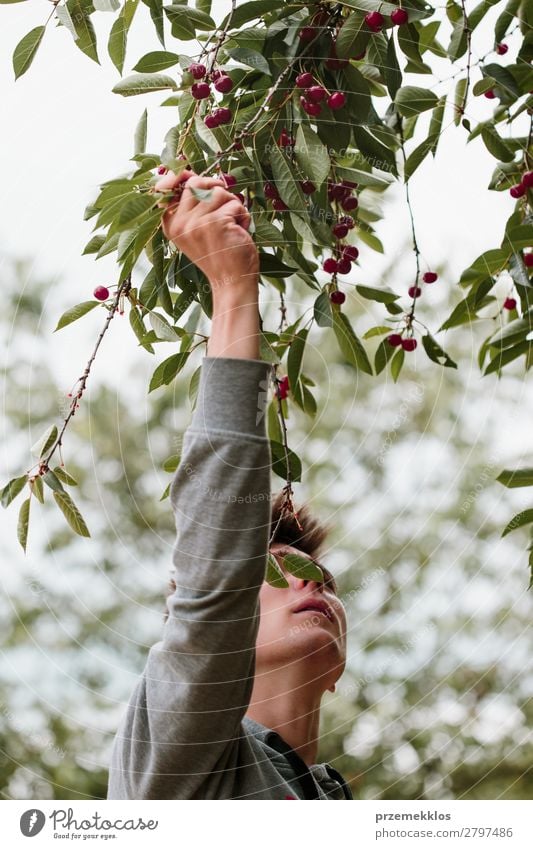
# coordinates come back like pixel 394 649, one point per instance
pixel 184 734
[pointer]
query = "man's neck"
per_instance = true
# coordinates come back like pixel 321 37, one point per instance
pixel 289 708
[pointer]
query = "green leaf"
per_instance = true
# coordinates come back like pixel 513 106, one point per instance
pixel 507 355
pixel 287 186
pixel 274 576
pixel 349 344
pixel 12 489
pixel 514 331
pixel 353 36
pixel 86 36
pixel 45 442
pixel 279 462
pixel 384 353
pixel 143 83
pixel 134 209
pixel 411 100
pixel 512 478
pixel 295 356
pixel 249 57
pixel 64 476
pixel 418 155
pixel 397 363
pixel 157 60
pixel 525 517
pixel 383 296
pixel 376 153
pixel 74 313
pixel 141 131
pixel 94 244
pixel 172 463
pixel 376 331
pixel 26 49
pixel 162 329
pixel 167 370
pixel 322 310
pixel 393 74
pixel 71 513
pixel 302 568
pixel 489 262
pixel 496 145
pixel 436 353
pixel 460 89
pixel 458 42
pixel 23 523
pixel 312 156
pixel 36 487
pixel 52 481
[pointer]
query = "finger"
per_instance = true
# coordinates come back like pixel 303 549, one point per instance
pixel 170 180
pixel 234 209
pixel 189 201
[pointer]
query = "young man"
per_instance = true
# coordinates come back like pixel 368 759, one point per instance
pixel 228 704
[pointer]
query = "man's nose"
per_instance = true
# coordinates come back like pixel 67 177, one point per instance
pixel 305 584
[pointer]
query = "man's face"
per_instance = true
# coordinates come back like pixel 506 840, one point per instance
pixel 304 620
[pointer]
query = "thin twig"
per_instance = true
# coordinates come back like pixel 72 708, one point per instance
pixel 121 292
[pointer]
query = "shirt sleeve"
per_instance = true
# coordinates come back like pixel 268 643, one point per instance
pixel 183 720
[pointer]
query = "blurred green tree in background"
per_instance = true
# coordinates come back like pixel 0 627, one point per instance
pixel 436 700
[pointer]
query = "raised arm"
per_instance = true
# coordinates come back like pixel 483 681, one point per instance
pixel 179 736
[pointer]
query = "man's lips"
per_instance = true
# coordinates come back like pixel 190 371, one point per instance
pixel 316 606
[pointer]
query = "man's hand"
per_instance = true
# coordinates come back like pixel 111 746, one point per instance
pixel 212 233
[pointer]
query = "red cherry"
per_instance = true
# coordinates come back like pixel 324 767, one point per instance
pixel 337 297
pixel 283 388
pixel 399 17
pixel 216 74
pixel 394 339
pixel 307 187
pixel 197 70
pixel 336 100
pixel 502 48
pixel 490 94
pixel 211 121
pixel 375 21
pixel 305 80
pixel 414 291
pixel 360 55
pixel 509 304
pixel 200 90
pixel 101 293
pixel 223 115
pixel 240 196
pixel 279 205
pixel 337 191
pixel 315 93
pixel 270 191
pixel 344 266
pixel 350 252
pixel 307 33
pixel 162 169
pixel 409 344
pixel 348 220
pixel 229 180
pixel 528 260
pixel 309 107
pixel 430 277
pixel 330 265
pixel 339 230
pixel 350 203
pixel 517 191
pixel 349 184
pixel 285 140
pixel 224 84
pixel 527 180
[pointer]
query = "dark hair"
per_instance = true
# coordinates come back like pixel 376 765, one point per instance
pixel 297 528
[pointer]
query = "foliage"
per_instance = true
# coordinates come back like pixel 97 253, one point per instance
pixel 379 136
